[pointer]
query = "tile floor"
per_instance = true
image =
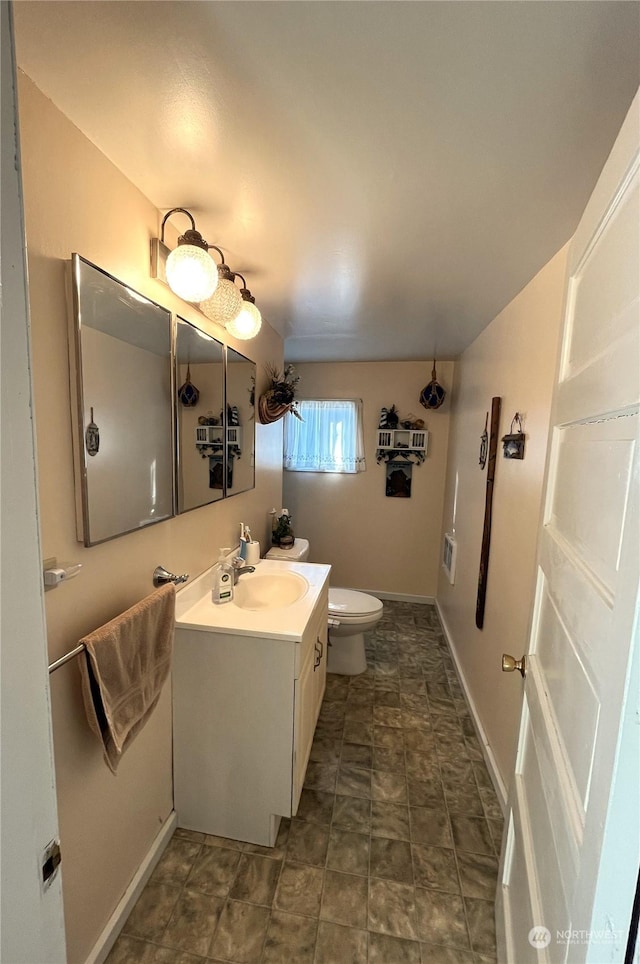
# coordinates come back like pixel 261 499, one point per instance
pixel 392 857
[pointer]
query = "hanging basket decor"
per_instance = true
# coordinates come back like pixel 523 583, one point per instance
pixel 188 393
pixel 433 395
pixel 279 398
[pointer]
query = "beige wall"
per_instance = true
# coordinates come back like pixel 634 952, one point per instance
pixel 515 358
pixel 76 200
pixel 373 542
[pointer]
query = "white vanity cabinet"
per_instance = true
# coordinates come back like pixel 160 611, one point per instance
pixel 246 698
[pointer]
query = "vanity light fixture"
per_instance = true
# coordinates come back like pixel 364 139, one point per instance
pixel 190 271
pixel 226 301
pixel 248 321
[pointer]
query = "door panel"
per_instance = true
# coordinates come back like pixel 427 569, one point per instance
pixel 605 286
pixel 568 685
pixel 555 850
pixel 594 459
pixel 561 792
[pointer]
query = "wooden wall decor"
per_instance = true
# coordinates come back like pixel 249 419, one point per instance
pixel 484 444
pixel 488 504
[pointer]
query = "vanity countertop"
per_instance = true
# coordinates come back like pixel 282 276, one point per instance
pixel 195 609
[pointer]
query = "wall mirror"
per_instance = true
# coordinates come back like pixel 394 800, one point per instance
pixel 200 463
pixel 240 392
pixel 120 346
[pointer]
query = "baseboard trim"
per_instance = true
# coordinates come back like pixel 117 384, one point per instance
pixel 400 597
pixel 116 922
pixel 490 760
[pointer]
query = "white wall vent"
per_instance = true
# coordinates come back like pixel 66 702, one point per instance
pixel 449 552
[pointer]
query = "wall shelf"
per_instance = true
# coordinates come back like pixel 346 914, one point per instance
pixel 399 443
pixel 211 435
pixel 403 438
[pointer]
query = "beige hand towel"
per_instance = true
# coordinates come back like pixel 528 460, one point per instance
pixel 124 669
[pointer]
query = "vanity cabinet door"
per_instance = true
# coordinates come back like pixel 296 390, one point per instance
pixel 308 693
pixel 304 726
pixel 321 636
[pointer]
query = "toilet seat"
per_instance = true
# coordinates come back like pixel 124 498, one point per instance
pixel 346 604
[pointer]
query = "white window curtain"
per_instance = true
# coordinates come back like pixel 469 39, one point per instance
pixel 330 439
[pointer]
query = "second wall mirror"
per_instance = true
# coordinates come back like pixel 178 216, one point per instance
pixel 199 417
pixel 215 434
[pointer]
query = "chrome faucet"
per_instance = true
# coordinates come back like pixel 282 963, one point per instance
pixel 239 569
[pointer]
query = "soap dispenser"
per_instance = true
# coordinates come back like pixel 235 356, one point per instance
pixel 222 589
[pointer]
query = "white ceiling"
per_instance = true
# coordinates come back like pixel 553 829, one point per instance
pixel 387 175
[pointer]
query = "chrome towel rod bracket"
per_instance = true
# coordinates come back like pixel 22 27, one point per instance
pixel 161 576
pixel 66 658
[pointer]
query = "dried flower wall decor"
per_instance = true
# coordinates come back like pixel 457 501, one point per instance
pixel 279 398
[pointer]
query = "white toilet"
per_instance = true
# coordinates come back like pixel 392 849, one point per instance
pixel 351 615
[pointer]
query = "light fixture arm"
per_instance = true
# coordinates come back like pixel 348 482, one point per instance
pixel 244 291
pixel 191 235
pixel 224 271
pixel 216 248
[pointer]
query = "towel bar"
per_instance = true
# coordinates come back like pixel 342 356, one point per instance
pixel 161 576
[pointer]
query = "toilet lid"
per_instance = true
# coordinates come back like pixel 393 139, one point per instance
pixel 349 602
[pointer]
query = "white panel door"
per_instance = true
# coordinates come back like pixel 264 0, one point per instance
pixel 571 848
pixel 31 922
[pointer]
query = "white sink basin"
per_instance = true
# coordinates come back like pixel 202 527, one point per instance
pixel 274 590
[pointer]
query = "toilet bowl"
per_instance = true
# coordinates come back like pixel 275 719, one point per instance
pixel 351 615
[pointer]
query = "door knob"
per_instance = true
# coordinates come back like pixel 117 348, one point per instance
pixel 509 664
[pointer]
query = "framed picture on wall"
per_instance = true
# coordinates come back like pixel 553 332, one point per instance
pixel 398 481
pixel 216 472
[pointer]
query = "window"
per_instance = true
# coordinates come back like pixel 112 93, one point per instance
pixel 329 439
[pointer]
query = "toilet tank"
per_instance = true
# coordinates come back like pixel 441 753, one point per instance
pixel 299 552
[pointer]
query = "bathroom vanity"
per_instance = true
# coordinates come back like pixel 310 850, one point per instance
pixel 248 681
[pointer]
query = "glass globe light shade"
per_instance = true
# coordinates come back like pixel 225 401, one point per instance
pixel 191 272
pixel 246 323
pixel 224 304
